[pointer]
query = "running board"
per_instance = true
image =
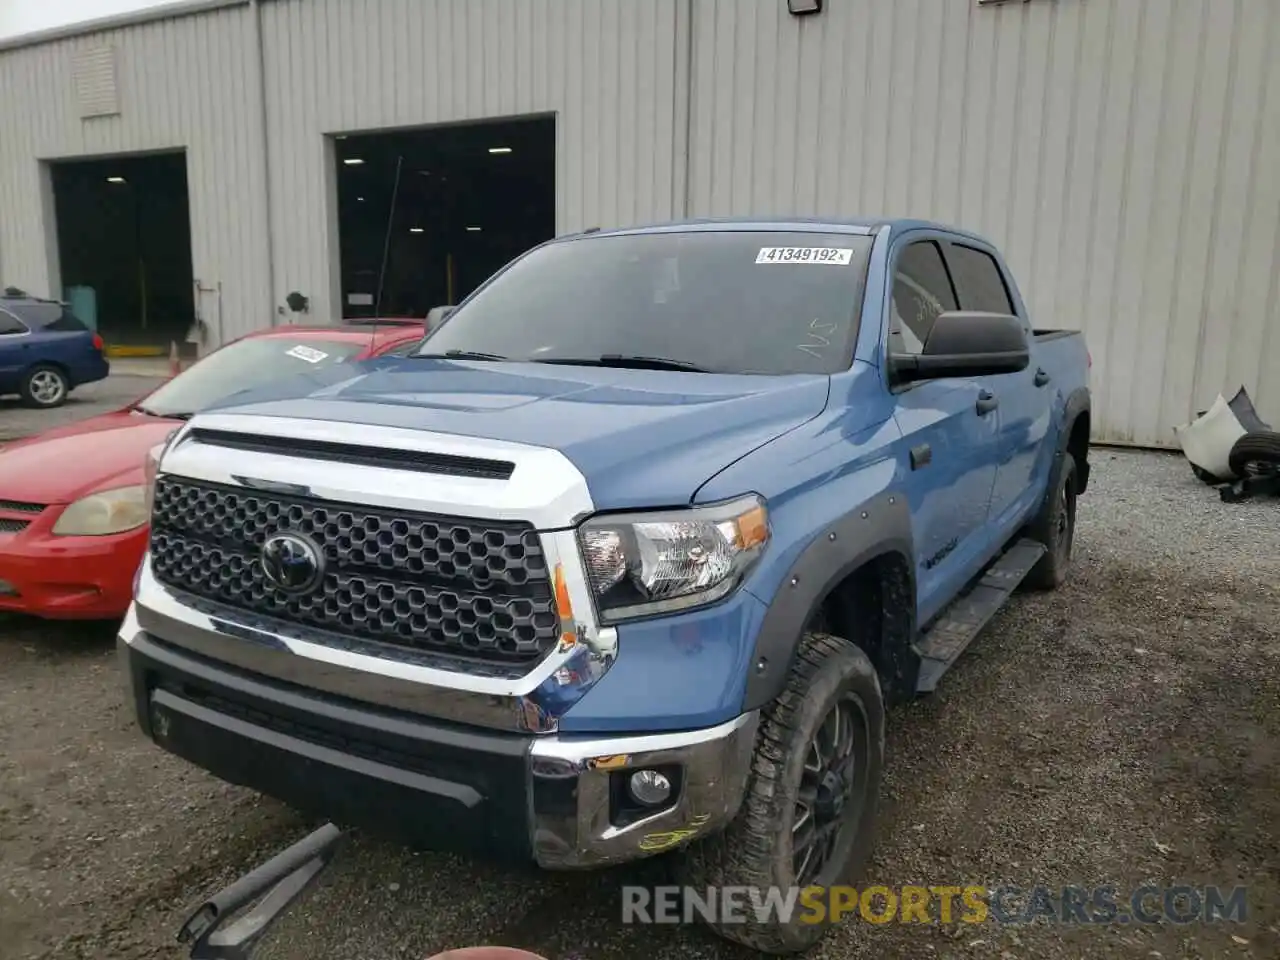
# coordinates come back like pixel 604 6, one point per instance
pixel 941 645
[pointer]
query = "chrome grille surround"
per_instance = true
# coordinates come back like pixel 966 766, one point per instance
pixel 545 492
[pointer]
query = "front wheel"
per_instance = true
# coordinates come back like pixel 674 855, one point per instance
pixel 808 816
pixel 45 387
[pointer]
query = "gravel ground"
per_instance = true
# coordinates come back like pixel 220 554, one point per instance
pixel 1125 729
pixel 87 401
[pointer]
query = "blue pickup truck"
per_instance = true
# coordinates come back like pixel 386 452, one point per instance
pixel 628 557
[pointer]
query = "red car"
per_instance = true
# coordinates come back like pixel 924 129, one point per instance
pixel 73 517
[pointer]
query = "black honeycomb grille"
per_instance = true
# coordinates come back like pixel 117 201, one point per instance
pixel 474 589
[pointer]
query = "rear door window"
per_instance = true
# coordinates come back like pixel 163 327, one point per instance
pixel 50 316
pixel 979 281
pixel 9 324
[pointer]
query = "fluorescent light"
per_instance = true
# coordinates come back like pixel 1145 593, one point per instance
pixel 115 180
pixel 361 199
pixel 353 161
pixel 415 229
pixel 473 229
pixel 499 149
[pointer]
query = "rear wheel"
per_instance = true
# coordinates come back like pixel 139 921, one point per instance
pixel 44 386
pixel 809 812
pixel 1055 527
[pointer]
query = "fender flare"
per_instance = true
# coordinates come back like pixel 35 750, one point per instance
pixel 880 526
pixel 1078 402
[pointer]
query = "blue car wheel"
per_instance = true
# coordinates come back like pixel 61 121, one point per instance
pixel 45 386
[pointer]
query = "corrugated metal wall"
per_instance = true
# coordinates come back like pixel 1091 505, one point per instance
pixel 181 83
pixel 1125 154
pixel 607 69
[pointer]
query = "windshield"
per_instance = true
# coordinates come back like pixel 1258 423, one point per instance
pixel 243 365
pixel 726 302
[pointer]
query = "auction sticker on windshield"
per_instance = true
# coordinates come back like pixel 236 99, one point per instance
pixel 836 256
pixel 309 354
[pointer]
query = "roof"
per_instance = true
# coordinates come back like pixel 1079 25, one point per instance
pixel 26 298
pixel 856 226
pixel 181 8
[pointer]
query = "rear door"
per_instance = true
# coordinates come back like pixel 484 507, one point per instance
pixel 951 438
pixel 1025 409
pixel 60 336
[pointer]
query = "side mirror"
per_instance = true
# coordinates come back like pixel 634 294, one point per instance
pixel 437 316
pixel 964 343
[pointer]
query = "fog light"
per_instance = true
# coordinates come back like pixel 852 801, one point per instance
pixel 649 787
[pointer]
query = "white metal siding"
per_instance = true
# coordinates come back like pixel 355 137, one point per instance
pixel 606 69
pixel 1124 154
pixel 180 83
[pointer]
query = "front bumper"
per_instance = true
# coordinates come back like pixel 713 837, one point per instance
pixel 555 799
pixel 80 578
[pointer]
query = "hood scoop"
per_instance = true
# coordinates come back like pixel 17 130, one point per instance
pixel 416 460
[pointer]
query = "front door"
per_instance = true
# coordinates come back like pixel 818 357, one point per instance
pixel 950 437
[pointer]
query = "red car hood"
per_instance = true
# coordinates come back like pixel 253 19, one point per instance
pixel 66 463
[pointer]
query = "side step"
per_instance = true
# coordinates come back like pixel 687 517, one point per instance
pixel 941 645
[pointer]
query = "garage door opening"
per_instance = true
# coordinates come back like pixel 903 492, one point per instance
pixel 124 248
pixel 471 197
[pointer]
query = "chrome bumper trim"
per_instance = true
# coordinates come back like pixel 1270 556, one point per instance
pixel 545 489
pixel 714 762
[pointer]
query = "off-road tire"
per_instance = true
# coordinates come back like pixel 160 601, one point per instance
pixel 1261 449
pixel 29 390
pixel 1050 529
pixel 755 850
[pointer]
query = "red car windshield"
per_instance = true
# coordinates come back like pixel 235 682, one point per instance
pixel 244 365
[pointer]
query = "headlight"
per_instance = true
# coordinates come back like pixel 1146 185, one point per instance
pixel 151 470
pixel 642 564
pixel 99 514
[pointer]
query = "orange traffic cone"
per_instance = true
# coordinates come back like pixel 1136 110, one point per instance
pixel 175 365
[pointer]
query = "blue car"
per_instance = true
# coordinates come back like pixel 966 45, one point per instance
pixel 46 351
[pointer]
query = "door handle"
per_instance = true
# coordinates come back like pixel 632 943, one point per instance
pixel 1042 377
pixel 986 402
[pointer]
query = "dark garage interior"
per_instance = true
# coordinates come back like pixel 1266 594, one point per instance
pixel 124 246
pixel 471 197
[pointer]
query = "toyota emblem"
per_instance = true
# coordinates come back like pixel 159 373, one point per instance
pixel 291 563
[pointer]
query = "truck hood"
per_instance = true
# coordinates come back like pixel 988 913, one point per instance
pixel 67 463
pixel 641 437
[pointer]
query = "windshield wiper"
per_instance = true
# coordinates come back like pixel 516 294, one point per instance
pixel 163 416
pixel 625 362
pixel 458 355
